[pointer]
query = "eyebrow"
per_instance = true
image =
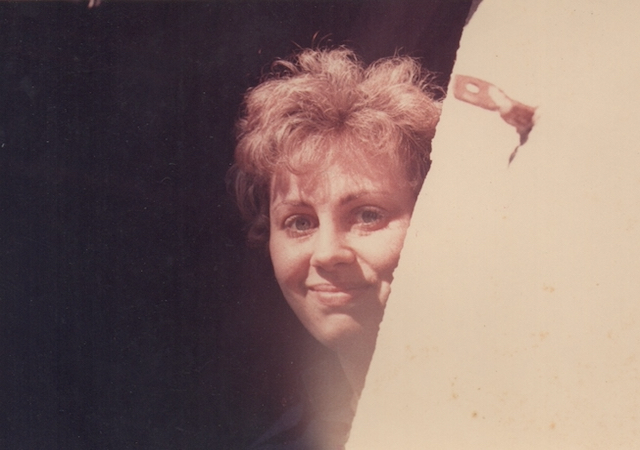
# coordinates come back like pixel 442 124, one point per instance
pixel 356 195
pixel 294 203
pixel 343 201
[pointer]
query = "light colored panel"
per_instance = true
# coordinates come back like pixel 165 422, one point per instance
pixel 514 321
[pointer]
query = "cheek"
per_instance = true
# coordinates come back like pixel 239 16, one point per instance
pixel 288 261
pixel 385 251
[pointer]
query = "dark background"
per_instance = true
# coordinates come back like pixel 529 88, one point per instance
pixel 132 316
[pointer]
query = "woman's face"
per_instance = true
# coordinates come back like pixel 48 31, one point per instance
pixel 335 241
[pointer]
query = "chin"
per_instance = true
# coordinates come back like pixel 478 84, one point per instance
pixel 344 332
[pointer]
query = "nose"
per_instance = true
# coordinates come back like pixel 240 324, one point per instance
pixel 331 248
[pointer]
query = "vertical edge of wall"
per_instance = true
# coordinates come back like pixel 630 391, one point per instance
pixel 513 321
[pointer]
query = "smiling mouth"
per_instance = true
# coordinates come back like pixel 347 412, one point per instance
pixel 336 296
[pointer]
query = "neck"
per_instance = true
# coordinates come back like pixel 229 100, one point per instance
pixel 355 357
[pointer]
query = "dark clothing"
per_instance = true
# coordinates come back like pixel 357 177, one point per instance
pixel 321 419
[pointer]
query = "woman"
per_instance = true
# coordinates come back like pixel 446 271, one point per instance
pixel 329 162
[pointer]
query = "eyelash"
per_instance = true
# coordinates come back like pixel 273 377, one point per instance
pixel 301 225
pixel 361 213
pixel 290 224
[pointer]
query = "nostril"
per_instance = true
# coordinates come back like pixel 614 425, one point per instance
pixel 331 251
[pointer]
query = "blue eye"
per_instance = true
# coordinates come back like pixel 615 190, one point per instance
pixel 299 224
pixel 369 216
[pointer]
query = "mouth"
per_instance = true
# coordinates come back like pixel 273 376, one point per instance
pixel 336 296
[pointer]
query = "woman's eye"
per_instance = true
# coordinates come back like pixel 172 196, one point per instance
pixel 369 217
pixel 299 223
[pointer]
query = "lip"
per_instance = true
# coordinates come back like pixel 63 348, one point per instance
pixel 331 295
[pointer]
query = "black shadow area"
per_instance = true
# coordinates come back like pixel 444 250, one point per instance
pixel 132 316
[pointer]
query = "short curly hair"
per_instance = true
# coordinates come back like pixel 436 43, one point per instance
pixel 322 95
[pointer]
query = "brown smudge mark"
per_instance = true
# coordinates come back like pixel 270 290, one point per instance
pixel 543 335
pixel 486 95
pixel 409 352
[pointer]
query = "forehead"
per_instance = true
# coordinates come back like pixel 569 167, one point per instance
pixel 341 177
pixel 305 151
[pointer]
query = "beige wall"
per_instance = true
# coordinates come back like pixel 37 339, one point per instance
pixel 514 321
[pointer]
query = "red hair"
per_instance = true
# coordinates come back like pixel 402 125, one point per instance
pixel 386 109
